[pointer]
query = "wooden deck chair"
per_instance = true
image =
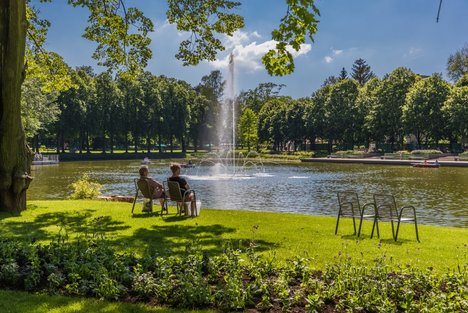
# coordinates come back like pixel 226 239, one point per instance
pixel 387 210
pixel 175 194
pixel 349 206
pixel 143 186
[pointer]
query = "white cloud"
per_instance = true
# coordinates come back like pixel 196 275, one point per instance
pixel 248 53
pixel 337 52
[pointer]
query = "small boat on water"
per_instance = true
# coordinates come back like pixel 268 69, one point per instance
pixel 146 161
pixel 426 164
pixel 188 165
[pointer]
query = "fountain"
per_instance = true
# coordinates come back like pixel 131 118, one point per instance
pixel 225 164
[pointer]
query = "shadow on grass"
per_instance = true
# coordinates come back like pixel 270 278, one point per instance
pixel 170 238
pixel 388 241
pixel 176 239
pixel 81 222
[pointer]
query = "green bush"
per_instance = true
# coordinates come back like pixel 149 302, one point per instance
pixel 229 282
pixel 85 189
pixel 426 152
pixel 405 152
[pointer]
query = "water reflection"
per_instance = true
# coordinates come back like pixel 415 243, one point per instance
pixel 440 195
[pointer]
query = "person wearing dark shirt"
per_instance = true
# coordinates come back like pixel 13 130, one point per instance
pixel 184 186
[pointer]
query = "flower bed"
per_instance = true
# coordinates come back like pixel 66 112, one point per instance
pixel 92 268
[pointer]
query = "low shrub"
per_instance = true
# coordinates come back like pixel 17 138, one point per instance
pixel 84 188
pixel 426 152
pixel 228 282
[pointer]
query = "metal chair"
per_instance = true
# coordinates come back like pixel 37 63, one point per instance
pixel 175 194
pixel 143 186
pixel 349 207
pixel 387 210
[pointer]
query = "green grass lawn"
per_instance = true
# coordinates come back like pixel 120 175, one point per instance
pixel 19 302
pixel 277 235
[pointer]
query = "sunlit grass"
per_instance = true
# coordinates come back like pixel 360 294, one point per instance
pixel 19 302
pixel 277 235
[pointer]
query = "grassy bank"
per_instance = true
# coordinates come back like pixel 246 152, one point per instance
pixel 276 235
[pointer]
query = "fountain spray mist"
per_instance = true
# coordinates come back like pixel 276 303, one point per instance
pixel 227 122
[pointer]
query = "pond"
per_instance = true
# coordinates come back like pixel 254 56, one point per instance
pixel 440 195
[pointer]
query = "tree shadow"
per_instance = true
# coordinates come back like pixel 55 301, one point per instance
pixel 170 238
pixel 81 222
pixel 176 239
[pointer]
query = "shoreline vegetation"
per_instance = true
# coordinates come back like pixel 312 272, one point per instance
pixel 224 260
pixel 403 158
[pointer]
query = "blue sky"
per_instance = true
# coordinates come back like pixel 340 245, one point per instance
pixel 386 33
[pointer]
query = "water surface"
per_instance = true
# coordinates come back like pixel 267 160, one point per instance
pixel 440 195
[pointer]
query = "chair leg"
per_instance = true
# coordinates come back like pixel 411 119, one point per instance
pixel 375 226
pixel 354 225
pixel 416 226
pixel 337 222
pixel 397 230
pixel 393 230
pixel 360 225
pixel 134 201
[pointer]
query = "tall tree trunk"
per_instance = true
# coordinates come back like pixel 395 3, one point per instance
pixel 15 155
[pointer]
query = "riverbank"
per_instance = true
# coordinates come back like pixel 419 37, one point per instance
pixel 443 162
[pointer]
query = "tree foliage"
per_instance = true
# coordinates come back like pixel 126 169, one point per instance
pixel 385 116
pixel 299 22
pixel 248 128
pixel 457 64
pixel 361 72
pixel 422 115
pixel 455 110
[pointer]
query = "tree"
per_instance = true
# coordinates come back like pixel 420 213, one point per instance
pixel 212 88
pixel 272 121
pixel 108 103
pixel 343 74
pixel 314 121
pixel 384 120
pixel 295 128
pixel 341 112
pixel 361 72
pixel 330 80
pixel 123 46
pixel 457 64
pixel 38 108
pixel 255 98
pixel 248 128
pixel 366 100
pixel 422 115
pixel 455 110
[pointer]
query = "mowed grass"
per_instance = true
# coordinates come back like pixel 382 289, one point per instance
pixel 276 235
pixel 19 302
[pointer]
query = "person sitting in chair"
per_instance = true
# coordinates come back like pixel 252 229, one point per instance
pixel 156 188
pixel 184 186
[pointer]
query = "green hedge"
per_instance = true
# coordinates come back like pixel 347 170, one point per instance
pixel 227 282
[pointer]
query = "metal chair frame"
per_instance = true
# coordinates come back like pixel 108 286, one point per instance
pixel 349 207
pixel 142 186
pixel 175 194
pixel 387 210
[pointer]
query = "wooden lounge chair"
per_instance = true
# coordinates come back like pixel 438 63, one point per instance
pixel 143 186
pixel 387 210
pixel 349 206
pixel 175 194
